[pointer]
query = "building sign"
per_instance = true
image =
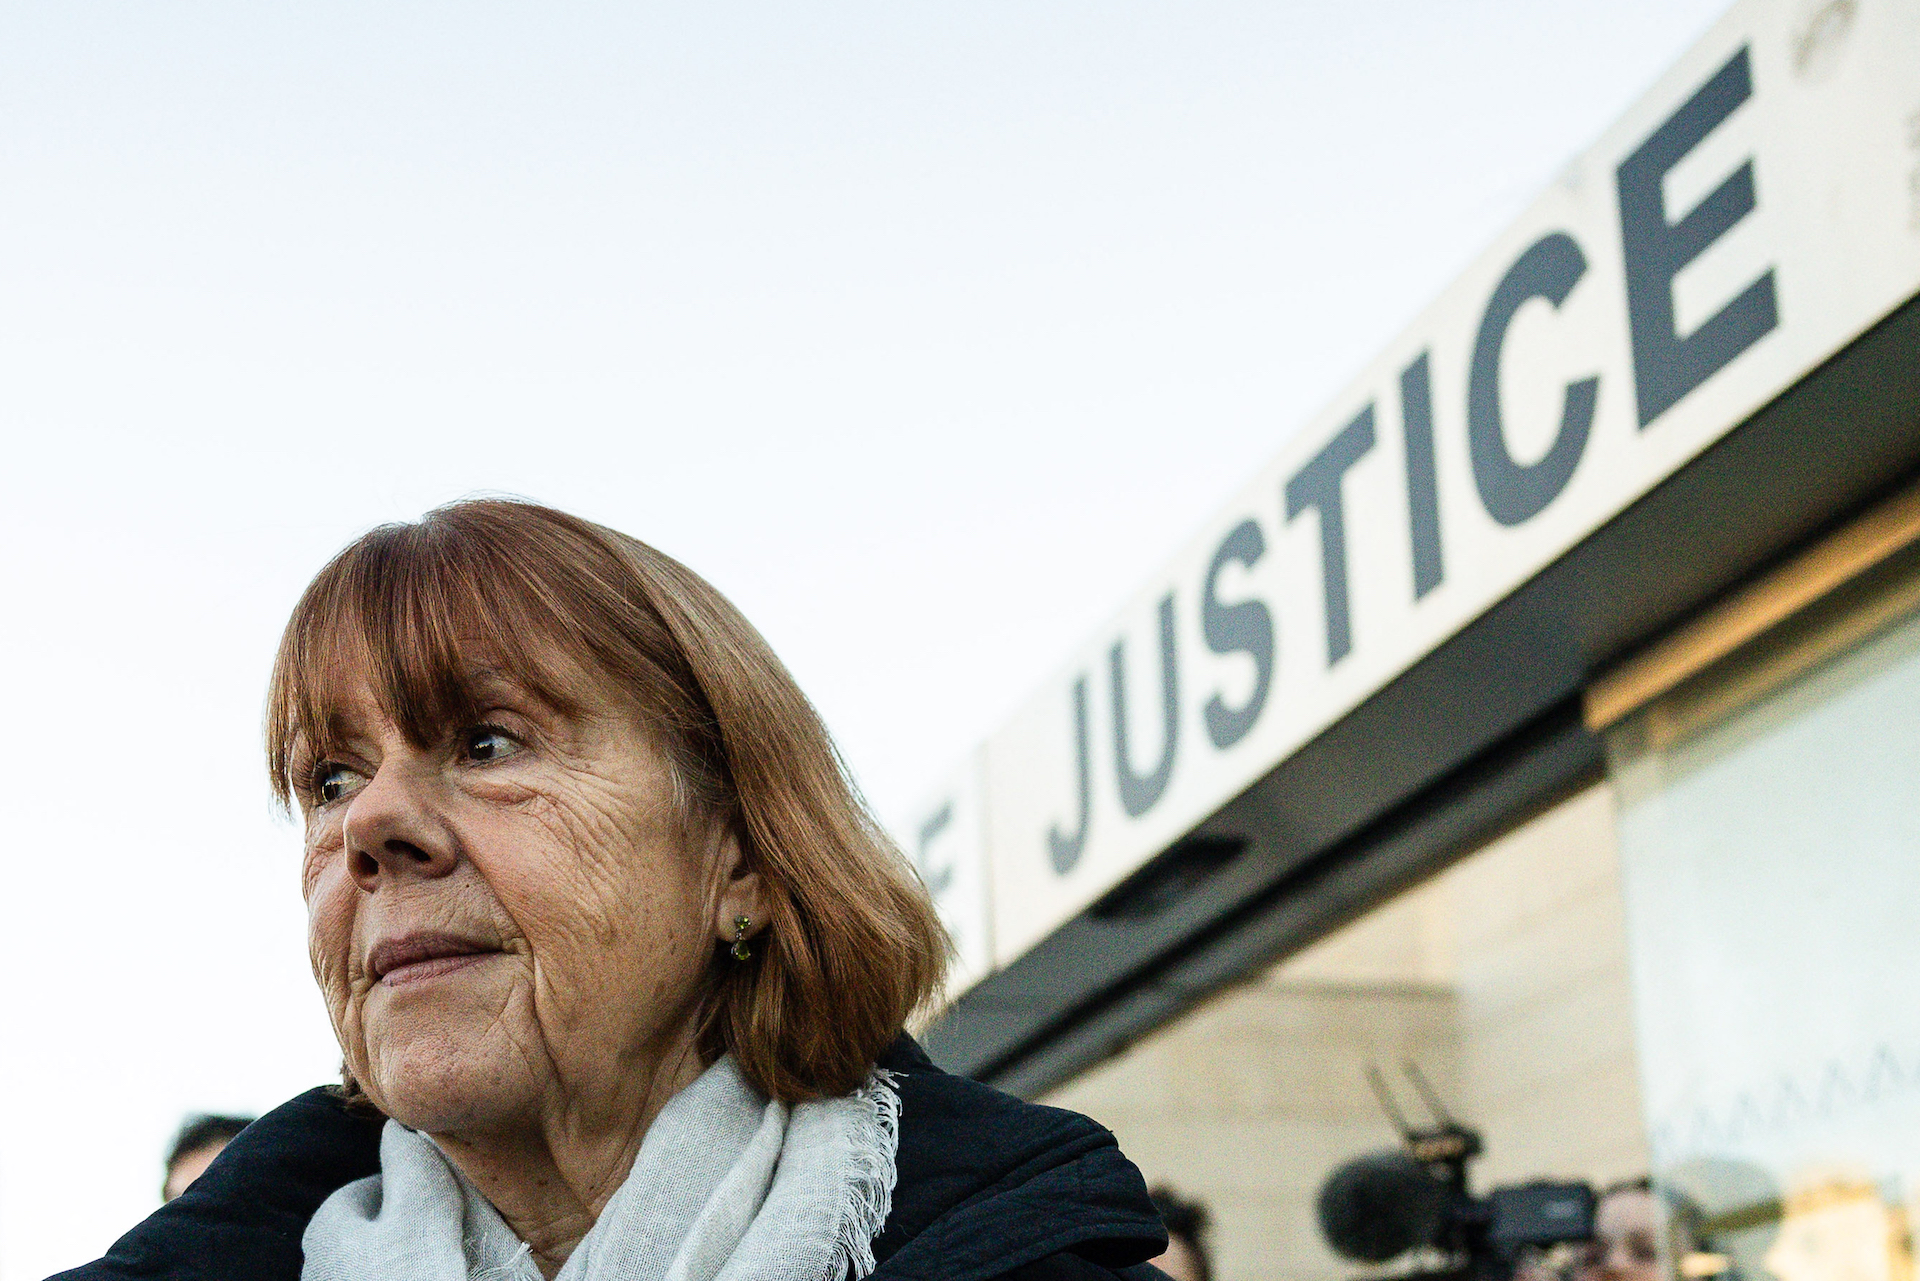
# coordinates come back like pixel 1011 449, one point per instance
pixel 1753 214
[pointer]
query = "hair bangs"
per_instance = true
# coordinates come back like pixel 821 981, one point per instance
pixel 420 622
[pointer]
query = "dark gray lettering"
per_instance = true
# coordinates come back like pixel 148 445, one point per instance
pixel 1513 493
pixel 1423 485
pixel 1666 366
pixel 1064 848
pixel 1317 485
pixel 1139 792
pixel 937 879
pixel 1244 627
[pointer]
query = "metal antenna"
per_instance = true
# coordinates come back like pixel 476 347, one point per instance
pixel 1432 1100
pixel 1387 1104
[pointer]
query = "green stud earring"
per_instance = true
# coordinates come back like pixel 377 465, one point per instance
pixel 741 924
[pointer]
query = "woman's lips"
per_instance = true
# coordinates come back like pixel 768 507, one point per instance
pixel 420 971
pixel 414 958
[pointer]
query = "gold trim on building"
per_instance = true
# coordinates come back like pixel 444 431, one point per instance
pixel 1759 607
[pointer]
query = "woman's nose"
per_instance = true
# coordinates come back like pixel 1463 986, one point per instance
pixel 393 834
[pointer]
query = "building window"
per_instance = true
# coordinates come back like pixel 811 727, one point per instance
pixel 1769 834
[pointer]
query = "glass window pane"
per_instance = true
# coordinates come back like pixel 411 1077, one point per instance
pixel 1771 866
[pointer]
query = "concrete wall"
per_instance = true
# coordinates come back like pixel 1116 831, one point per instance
pixel 1504 979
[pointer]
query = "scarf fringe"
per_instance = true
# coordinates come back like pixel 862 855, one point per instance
pixel 517 1268
pixel 869 1200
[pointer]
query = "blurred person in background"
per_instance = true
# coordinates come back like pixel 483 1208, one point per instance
pixel 1186 1258
pixel 1626 1236
pixel 618 962
pixel 201 1139
pixel 1641 1233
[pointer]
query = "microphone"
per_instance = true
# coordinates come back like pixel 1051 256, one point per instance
pixel 1379 1206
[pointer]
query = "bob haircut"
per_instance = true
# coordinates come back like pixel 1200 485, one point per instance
pixel 852 949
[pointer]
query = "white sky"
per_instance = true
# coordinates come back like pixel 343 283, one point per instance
pixel 924 330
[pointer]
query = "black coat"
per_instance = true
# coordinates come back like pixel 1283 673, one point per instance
pixel 989 1187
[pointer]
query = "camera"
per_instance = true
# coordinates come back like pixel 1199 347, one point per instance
pixel 1416 1198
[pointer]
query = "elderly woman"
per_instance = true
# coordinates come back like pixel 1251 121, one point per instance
pixel 618 962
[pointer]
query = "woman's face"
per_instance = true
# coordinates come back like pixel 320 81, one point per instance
pixel 1626 1239
pixel 509 926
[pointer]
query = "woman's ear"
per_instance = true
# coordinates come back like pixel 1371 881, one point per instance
pixel 742 893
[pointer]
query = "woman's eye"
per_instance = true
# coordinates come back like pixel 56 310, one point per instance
pixel 332 781
pixel 486 743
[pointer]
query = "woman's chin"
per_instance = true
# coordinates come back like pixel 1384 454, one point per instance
pixel 449 1084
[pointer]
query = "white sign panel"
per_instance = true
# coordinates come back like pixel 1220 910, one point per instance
pixel 948 844
pixel 1754 213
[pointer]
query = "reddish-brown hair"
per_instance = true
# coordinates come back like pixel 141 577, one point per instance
pixel 853 947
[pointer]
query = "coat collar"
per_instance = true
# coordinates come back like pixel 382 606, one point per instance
pixel 988 1183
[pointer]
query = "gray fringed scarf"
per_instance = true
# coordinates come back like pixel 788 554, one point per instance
pixel 728 1186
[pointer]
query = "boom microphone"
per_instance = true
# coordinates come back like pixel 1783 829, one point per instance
pixel 1379 1206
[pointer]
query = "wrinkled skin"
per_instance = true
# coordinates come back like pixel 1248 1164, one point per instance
pixel 548 849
